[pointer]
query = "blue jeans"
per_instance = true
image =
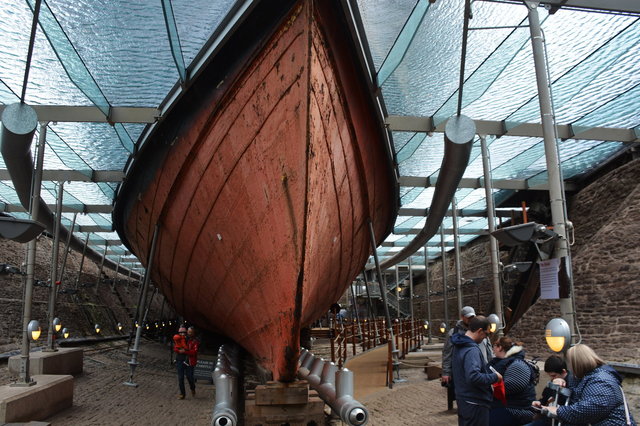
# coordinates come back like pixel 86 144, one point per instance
pixel 185 369
pixel 472 414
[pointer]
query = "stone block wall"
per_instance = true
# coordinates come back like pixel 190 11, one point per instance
pixel 606 266
pixel 80 311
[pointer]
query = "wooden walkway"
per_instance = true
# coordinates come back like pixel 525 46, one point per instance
pixel 370 368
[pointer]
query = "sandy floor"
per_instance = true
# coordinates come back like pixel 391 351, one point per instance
pixel 100 398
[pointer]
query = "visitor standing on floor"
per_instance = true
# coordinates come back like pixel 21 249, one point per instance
pixel 186 359
pixel 472 378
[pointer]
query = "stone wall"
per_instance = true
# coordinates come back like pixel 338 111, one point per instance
pixel 606 265
pixel 80 311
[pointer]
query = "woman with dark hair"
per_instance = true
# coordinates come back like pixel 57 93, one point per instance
pixel 598 398
pixel 518 383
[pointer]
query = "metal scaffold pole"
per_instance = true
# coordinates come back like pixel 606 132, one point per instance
pixel 389 324
pixel 53 288
pixel 456 245
pixel 556 188
pixel 427 283
pixel 133 363
pixel 494 254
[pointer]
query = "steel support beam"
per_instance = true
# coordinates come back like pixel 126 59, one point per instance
pixel 75 175
pixel 512 184
pixel 93 114
pixel 501 128
pixel 83 208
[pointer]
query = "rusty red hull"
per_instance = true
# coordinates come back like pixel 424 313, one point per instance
pixel 266 191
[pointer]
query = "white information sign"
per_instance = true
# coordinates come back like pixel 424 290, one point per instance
pixel 549 285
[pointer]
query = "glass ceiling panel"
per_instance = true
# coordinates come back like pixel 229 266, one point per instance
pixel 426 159
pixel 120 42
pixel 622 111
pixel 196 20
pixel 571 37
pixel 599 77
pixel 583 162
pixel 48 81
pixel 430 70
pixel 383 20
pixel 97 143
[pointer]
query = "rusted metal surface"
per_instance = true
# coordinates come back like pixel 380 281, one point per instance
pixel 265 193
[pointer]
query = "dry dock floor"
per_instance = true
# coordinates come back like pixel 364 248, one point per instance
pixel 100 398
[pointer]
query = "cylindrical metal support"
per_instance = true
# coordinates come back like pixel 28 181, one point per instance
pixel 336 389
pixel 53 290
pixel 493 243
pixel 67 247
pixel 14 133
pixel 142 314
pixel 556 188
pixel 225 378
pixel 383 294
pixel 427 283
pixel 351 411
pixel 456 245
pixel 445 293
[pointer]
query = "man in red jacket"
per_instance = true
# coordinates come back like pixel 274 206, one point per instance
pixel 186 360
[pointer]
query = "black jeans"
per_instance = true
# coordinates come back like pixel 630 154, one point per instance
pixel 185 369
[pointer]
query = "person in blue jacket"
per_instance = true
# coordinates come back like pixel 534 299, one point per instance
pixel 471 375
pixel 597 399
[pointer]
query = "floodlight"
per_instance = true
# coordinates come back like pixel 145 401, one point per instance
pixel 522 233
pixel 34 330
pixel 494 322
pixel 19 230
pixel 517 267
pixel 558 335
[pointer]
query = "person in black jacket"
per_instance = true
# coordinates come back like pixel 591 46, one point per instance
pixel 560 376
pixel 471 376
pixel 519 384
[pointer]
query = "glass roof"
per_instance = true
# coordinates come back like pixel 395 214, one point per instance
pixel 114 54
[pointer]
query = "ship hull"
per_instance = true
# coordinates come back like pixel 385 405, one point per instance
pixel 265 191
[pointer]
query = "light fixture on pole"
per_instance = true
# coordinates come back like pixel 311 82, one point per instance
pixel 443 328
pixel 494 323
pixel 34 330
pixel 57 325
pixel 66 333
pixel 119 326
pixel 426 325
pixel 558 335
pixel 97 328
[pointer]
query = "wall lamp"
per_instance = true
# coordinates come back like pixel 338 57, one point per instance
pixel 443 328
pixel 97 328
pixel 66 333
pixel 34 330
pixel 119 327
pixel 494 323
pixel 57 325
pixel 558 335
pixel 426 325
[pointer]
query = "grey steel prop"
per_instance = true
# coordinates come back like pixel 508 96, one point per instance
pixel 19 122
pixel 334 386
pixel 225 377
